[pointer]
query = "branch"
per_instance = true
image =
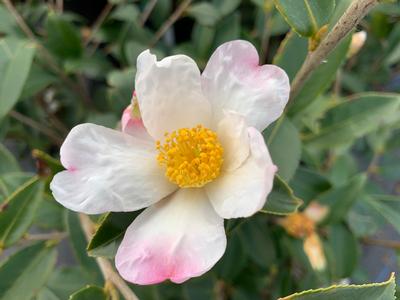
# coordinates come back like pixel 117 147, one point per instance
pixel 100 19
pixel 106 268
pixel 170 21
pixel 147 11
pixel 352 16
pixel 36 125
pixel 383 243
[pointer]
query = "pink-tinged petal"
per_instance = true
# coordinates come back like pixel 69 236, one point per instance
pixel 108 170
pixel 243 192
pixel 178 238
pixel 233 80
pixel 234 138
pixel 132 124
pixel 169 94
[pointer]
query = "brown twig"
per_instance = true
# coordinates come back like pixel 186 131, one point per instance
pixel 147 11
pixel 170 21
pixel 383 243
pixel 100 19
pixel 105 266
pixel 352 16
pixel 36 125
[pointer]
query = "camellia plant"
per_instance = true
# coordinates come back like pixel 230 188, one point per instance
pixel 223 149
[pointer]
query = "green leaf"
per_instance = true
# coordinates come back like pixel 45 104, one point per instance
pixel 354 118
pixel 89 293
pixel 344 249
pixel 46 294
pixel 372 291
pixel 291 54
pixel 320 79
pixel 38 79
pixel 18 211
pixel 204 13
pixel 26 271
pixel 50 214
pixel 306 17
pixel 15 62
pixel 63 39
pixel 78 241
pixel 9 182
pixel 225 7
pixel 284 145
pixel 281 200
pixel 308 184
pixel 8 163
pixel 342 198
pixel 109 233
pixel 228 29
pixel 388 206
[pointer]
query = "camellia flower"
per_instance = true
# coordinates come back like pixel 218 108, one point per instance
pixel 198 158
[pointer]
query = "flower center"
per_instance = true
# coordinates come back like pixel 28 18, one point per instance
pixel 192 156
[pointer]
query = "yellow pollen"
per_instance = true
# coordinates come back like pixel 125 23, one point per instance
pixel 192 157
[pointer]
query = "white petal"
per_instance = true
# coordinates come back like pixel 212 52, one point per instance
pixel 243 192
pixel 233 80
pixel 108 171
pixel 178 238
pixel 169 94
pixel 134 125
pixel 234 138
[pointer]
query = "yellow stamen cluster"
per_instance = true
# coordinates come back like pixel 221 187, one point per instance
pixel 192 156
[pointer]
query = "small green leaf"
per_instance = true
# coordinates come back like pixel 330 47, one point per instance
pixel 63 39
pixel 204 13
pixel 291 54
pixel 90 292
pixel 109 233
pixel 388 206
pixel 342 198
pixel 8 163
pixel 354 118
pixel 284 145
pixel 15 62
pixel 320 79
pixel 18 211
pixel 26 271
pixel 306 17
pixel 78 241
pixel 372 291
pixel 344 249
pixel 281 200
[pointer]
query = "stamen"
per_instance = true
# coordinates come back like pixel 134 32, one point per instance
pixel 192 157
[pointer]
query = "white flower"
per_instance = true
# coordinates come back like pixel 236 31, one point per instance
pixel 202 160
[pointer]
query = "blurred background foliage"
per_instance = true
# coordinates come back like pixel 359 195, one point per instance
pixel 337 146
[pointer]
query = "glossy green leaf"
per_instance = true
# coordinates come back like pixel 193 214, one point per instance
pixel 18 211
pixel 306 17
pixel 320 79
pixel 90 293
pixel 63 39
pixel 204 13
pixel 26 271
pixel 354 118
pixel 15 62
pixel 344 249
pixel 342 198
pixel 8 163
pixel 109 233
pixel 372 291
pixel 388 206
pixel 284 145
pixel 78 241
pixel 291 54
pixel 281 200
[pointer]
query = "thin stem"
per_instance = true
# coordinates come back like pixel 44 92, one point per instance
pixel 147 11
pixel 100 19
pixel 105 266
pixel 383 243
pixel 46 236
pixel 352 16
pixel 170 21
pixel 36 125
